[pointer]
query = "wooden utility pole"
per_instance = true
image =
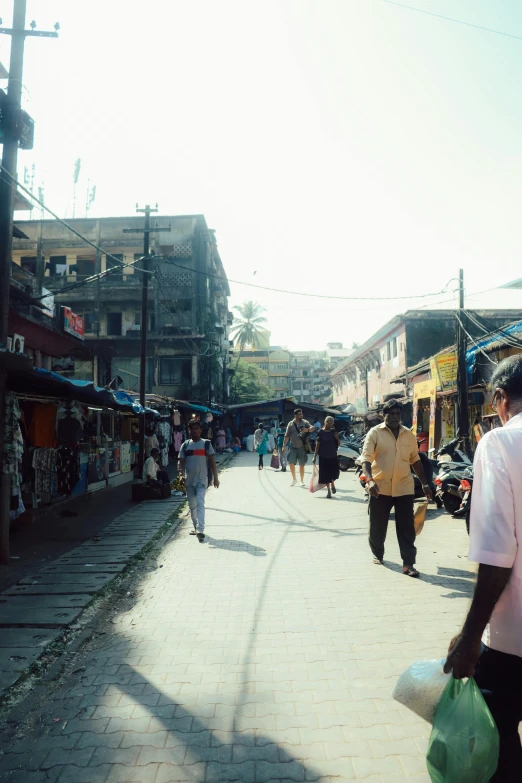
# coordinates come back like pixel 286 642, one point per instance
pixel 146 231
pixel 11 123
pixel 462 373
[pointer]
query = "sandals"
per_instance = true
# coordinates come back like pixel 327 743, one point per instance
pixel 334 490
pixel 412 571
pixel 376 561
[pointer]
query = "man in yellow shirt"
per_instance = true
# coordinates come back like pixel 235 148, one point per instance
pixel 390 451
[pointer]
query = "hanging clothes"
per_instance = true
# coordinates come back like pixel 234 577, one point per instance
pixel 42 429
pixel 164 436
pixel 69 423
pixel 13 443
pixel 44 464
pixel 177 420
pixel 178 440
pixel 67 468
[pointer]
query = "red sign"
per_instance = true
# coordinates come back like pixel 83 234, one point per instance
pixel 72 323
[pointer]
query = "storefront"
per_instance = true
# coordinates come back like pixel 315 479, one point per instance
pixel 64 438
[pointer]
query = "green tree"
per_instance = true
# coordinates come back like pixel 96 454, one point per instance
pixel 248 328
pixel 249 384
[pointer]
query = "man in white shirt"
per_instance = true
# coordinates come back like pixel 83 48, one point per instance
pixel 152 474
pixel 489 647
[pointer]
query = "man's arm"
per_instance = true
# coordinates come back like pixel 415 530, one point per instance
pixel 419 470
pixel 181 466
pixel 287 437
pixel 465 649
pixel 214 470
pixel 367 456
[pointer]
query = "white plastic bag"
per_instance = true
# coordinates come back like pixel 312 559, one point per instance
pixel 421 686
pixel 314 481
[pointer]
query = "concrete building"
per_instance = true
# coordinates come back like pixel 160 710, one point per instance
pixel 275 363
pixel 310 377
pixel 188 300
pixel 370 373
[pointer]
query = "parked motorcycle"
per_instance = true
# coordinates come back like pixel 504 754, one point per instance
pixel 349 451
pixel 466 489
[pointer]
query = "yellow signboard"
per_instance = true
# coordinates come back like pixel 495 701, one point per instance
pixel 421 391
pixel 447 370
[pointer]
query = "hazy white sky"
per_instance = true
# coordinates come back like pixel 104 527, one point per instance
pixel 346 147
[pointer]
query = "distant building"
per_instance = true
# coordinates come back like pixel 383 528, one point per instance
pixel 274 363
pixel 189 320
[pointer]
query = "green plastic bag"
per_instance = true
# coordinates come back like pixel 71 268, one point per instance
pixel 464 740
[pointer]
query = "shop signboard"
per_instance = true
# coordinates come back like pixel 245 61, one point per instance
pixel 447 370
pixel 422 391
pixel 361 406
pixel 72 323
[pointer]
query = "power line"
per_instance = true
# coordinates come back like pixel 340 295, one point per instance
pixel 67 225
pixel 302 293
pixel 475 343
pixel 452 19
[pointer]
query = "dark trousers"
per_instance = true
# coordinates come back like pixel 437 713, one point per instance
pixel 379 510
pixel 162 477
pixel 260 460
pixel 499 677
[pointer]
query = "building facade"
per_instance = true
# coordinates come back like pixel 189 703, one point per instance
pixel 274 362
pixel 188 317
pixel 371 373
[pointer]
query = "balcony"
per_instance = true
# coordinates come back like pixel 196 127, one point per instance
pixel 110 288
pixel 23 281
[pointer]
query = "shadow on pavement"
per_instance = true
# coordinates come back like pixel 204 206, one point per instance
pixel 459 586
pixel 235 545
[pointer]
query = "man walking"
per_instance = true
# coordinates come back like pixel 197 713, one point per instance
pixel 193 457
pixel 389 451
pixel 489 647
pixel 297 455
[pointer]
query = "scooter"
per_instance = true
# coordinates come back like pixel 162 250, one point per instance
pixel 466 489
pixel 449 486
pixel 348 453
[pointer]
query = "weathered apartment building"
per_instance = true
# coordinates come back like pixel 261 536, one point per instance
pixel 188 318
pixel 304 375
pixel 370 373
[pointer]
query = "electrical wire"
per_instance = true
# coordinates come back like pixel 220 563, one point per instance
pixel 473 340
pixel 452 19
pixel 490 329
pixel 169 260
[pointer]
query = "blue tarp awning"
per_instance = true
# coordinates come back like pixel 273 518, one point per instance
pixel 471 353
pixel 202 408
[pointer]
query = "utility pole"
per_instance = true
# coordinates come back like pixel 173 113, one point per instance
pixel 146 231
pixel 12 134
pixel 462 373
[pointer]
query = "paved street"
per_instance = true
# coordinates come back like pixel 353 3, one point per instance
pixel 267 653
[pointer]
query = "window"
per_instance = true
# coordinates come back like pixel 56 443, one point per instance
pixel 388 351
pixel 137 318
pixel 394 346
pixel 57 265
pixel 113 324
pixel 263 365
pixel 85 266
pixel 282 366
pixel 175 370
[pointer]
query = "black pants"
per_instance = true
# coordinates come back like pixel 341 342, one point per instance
pixel 379 510
pixel 499 677
pixel 261 460
pixel 162 477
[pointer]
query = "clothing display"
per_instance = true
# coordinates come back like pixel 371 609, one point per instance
pixel 44 464
pixel 13 454
pixel 178 440
pixel 164 433
pixel 69 423
pixel 42 429
pixel 67 468
pixel 221 439
pixel 177 420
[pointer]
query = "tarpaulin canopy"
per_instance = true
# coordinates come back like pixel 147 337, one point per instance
pixel 193 407
pixel 488 341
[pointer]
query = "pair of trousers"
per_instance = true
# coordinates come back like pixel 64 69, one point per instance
pixel 379 511
pixel 196 501
pixel 261 460
pixel 282 456
pixel 499 677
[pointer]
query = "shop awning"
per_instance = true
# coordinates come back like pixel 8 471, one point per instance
pixel 201 408
pixel 51 384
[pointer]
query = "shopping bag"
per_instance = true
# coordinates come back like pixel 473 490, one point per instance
pixel 274 462
pixel 464 740
pixel 419 516
pixel 314 481
pixel 421 686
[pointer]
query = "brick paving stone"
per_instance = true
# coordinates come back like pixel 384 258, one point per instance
pixel 269 653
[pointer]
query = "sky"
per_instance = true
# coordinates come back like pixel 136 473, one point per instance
pixel 349 148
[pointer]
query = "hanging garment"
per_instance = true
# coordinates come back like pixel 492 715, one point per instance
pixel 177 420
pixel 42 429
pixel 13 442
pixel 178 440
pixel 67 468
pixel 164 433
pixel 69 423
pixel 44 464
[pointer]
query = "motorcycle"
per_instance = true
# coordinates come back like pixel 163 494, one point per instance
pixel 466 489
pixel 349 451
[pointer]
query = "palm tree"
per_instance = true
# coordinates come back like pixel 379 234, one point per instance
pixel 247 328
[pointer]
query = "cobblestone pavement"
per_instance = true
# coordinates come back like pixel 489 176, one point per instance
pixel 267 653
